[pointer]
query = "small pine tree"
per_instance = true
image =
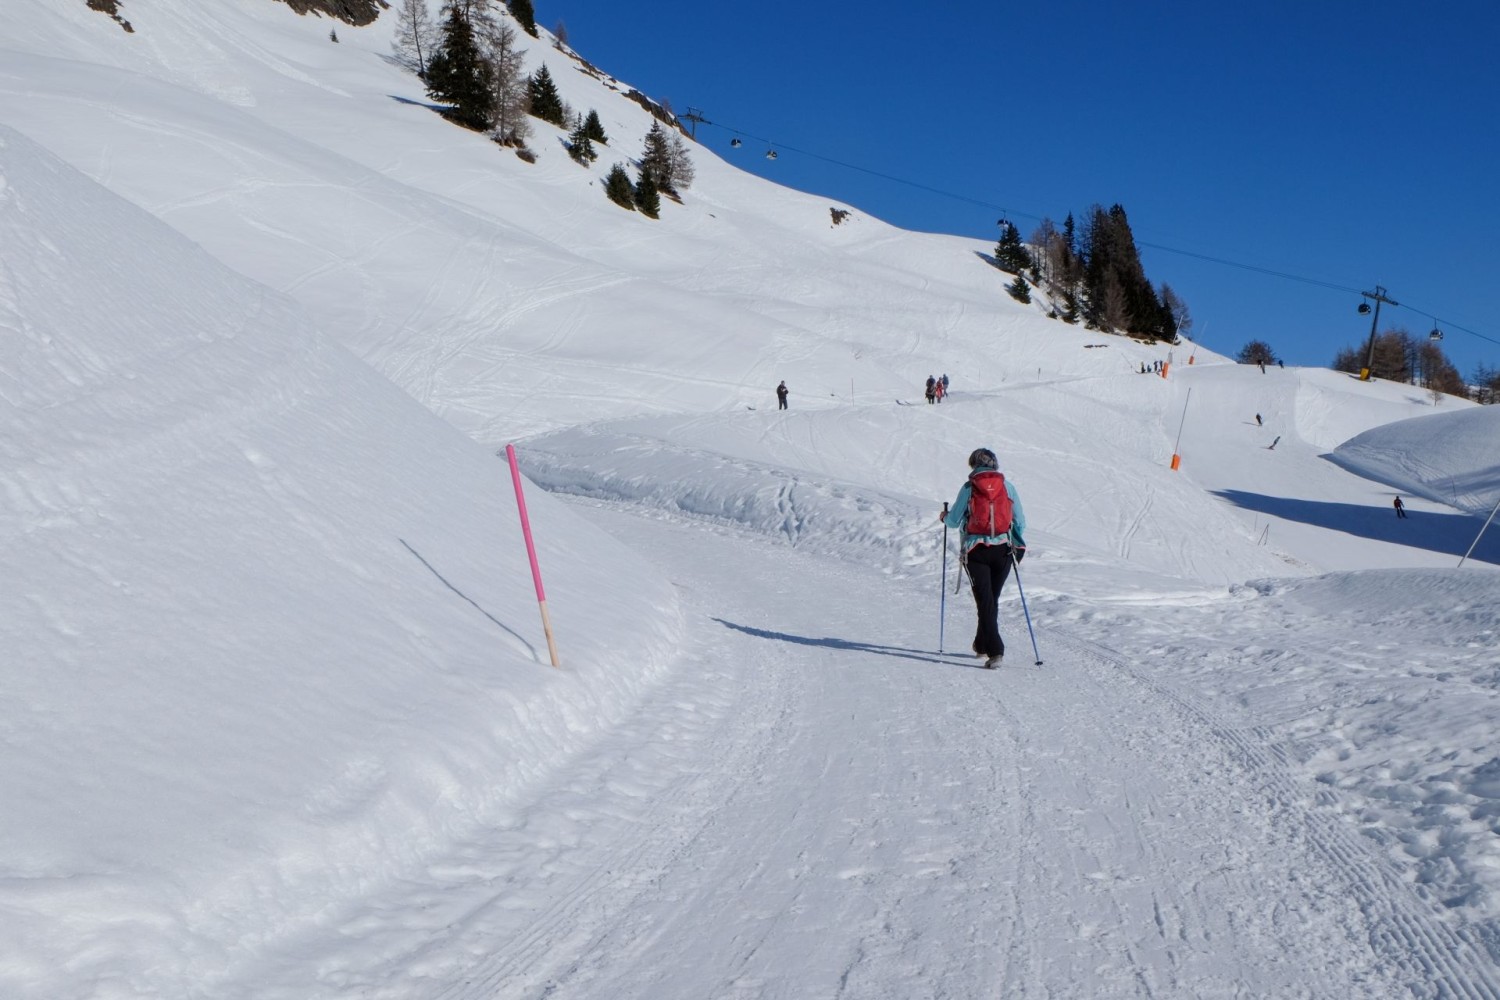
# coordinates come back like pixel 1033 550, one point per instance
pixel 647 198
pixel 580 146
pixel 618 189
pixel 546 104
pixel 594 128
pixel 523 12
pixel 1019 290
pixel 1010 253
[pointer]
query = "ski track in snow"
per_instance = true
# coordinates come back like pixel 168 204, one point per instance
pixel 1078 829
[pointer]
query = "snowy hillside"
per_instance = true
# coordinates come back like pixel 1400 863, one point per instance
pixel 280 719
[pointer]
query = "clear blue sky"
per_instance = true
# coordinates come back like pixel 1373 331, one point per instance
pixel 1346 144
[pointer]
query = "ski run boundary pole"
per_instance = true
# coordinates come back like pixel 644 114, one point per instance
pixel 536 571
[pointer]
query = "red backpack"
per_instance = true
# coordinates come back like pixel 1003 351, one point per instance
pixel 990 510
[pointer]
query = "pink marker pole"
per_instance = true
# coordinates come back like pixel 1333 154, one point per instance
pixel 536 571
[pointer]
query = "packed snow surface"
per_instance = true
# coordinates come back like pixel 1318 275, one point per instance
pixel 281 719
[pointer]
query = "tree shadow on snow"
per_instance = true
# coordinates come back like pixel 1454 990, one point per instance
pixel 829 642
pixel 1435 532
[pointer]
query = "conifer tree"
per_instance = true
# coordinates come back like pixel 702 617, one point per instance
pixel 657 158
pixel 524 13
pixel 545 102
pixel 1010 253
pixel 647 198
pixel 415 35
pixel 580 146
pixel 595 128
pixel 618 189
pixel 459 76
pixel 1019 291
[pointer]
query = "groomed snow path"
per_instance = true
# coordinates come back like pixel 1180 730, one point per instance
pixel 817 805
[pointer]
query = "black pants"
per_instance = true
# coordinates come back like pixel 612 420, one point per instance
pixel 781 402
pixel 989 567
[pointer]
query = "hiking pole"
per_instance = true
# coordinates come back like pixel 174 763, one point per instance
pixel 1015 568
pixel 943 590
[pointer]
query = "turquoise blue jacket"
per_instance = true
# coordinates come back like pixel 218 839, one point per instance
pixel 960 511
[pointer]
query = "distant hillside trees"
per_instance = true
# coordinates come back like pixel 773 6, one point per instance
pixel 546 104
pixel 1095 275
pixel 1173 303
pixel 1401 357
pixel 1118 295
pixel 459 76
pixel 1257 352
pixel 524 14
pixel 1486 385
pixel 668 160
pixel 1394 359
pixel 415 36
pixel 618 189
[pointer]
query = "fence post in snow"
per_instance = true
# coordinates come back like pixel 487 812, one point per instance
pixel 536 572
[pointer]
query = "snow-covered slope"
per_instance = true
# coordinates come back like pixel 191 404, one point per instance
pixel 279 720
pixel 249 577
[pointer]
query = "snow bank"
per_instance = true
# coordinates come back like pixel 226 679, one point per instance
pixel 271 633
pixel 1451 458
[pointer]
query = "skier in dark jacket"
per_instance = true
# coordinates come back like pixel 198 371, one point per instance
pixel 1400 508
pixel 781 396
pixel 988 557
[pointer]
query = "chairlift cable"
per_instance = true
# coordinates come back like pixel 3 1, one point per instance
pixel 1008 213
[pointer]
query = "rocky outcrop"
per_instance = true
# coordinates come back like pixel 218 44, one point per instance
pixel 349 11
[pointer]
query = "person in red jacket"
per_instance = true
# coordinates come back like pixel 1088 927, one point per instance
pixel 988 509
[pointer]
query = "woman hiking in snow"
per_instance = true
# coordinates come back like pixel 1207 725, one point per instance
pixel 988 509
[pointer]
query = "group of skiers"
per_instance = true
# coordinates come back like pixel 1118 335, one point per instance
pixel 937 388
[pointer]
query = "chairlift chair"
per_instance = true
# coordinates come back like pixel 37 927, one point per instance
pixel 770 154
pixel 735 143
pixel 1436 335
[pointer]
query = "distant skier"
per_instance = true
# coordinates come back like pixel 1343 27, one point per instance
pixel 944 380
pixel 1400 508
pixel 939 390
pixel 1275 443
pixel 781 396
pixel 988 509
pixel 1257 421
pixel 931 391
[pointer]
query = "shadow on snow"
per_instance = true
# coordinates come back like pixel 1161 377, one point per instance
pixel 828 642
pixel 1435 532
